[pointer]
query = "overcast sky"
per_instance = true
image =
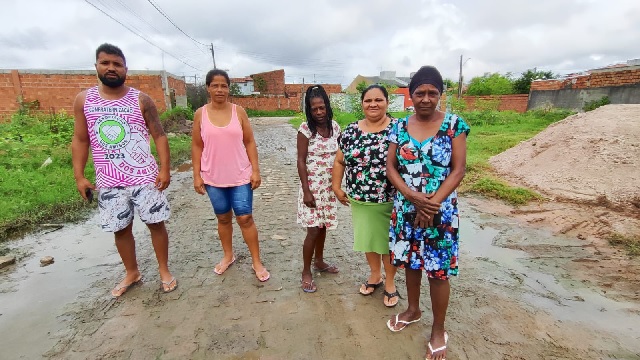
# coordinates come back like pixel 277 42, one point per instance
pixel 323 41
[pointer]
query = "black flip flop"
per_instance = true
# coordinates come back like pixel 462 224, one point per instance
pixel 390 296
pixel 368 286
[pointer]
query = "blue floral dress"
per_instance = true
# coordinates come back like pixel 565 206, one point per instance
pixel 423 167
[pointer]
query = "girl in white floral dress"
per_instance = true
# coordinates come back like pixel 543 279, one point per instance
pixel 317 144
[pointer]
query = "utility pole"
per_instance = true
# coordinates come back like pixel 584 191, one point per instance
pixel 460 79
pixel 213 55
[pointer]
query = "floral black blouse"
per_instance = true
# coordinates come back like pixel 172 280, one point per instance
pixel 365 157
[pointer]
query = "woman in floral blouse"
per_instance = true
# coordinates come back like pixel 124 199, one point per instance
pixel 363 155
pixel 426 162
pixel 317 145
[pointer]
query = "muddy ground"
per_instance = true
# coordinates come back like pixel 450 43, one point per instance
pixel 527 289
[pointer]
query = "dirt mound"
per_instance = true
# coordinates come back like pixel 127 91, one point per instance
pixel 591 157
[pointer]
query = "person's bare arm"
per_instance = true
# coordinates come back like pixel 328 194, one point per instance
pixel 250 144
pixel 302 144
pixel 197 145
pixel 152 119
pixel 80 146
pixel 336 178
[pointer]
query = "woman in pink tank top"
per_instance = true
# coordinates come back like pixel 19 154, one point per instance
pixel 225 167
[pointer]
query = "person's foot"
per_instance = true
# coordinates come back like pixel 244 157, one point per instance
pixel 391 295
pixel 224 264
pixel 402 320
pixel 371 285
pixel 322 266
pixel 169 283
pixel 437 347
pixel 261 272
pixel 129 280
pixel 308 285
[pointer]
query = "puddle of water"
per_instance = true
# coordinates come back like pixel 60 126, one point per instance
pixel 32 297
pixel 542 290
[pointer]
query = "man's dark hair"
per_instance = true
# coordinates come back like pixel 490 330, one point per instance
pixel 216 72
pixel 111 50
pixel 317 91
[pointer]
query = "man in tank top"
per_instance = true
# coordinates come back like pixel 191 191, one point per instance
pixel 116 121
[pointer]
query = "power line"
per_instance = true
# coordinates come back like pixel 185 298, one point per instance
pixel 142 37
pixel 174 24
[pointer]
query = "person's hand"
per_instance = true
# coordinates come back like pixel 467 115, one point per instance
pixel 309 200
pixel 342 196
pixel 255 179
pixel 423 220
pixel 424 203
pixel 84 184
pixel 163 180
pixel 198 185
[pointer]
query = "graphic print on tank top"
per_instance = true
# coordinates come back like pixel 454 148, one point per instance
pixel 119 140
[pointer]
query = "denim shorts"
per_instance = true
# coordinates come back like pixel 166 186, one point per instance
pixel 238 198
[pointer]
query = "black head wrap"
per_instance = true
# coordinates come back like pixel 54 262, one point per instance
pixel 426 75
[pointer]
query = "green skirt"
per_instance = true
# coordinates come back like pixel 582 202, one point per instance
pixel 371 226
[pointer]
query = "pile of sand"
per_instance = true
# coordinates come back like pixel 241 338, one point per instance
pixel 591 157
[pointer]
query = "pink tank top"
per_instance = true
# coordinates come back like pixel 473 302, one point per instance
pixel 224 160
pixel 119 140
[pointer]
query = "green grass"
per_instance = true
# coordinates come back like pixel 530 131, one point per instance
pixel 630 244
pixel 492 132
pixel 31 194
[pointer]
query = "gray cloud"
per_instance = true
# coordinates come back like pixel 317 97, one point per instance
pixel 332 41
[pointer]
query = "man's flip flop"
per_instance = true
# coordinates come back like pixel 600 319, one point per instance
pixel 398 321
pixel 224 268
pixel 330 268
pixel 168 283
pixel 369 286
pixel 441 348
pixel 311 284
pixel 125 288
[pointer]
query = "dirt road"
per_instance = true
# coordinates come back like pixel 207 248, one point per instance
pixel 524 292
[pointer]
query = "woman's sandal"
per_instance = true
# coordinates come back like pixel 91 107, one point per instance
pixel 368 286
pixel 391 296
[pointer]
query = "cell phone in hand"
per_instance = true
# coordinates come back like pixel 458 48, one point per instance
pixel 89 195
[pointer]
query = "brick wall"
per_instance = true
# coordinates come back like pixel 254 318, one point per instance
pixel 595 79
pixel 517 102
pixel 274 82
pixel 269 103
pixel 297 89
pixel 56 90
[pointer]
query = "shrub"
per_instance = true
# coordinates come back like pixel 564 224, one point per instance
pixel 594 104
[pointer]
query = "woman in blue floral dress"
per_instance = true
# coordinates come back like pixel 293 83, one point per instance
pixel 426 163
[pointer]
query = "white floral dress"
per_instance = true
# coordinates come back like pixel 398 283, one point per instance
pixel 320 156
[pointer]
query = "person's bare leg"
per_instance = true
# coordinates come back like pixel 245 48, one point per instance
pixel 250 236
pixel 318 255
pixel 414 277
pixel 375 276
pixel 126 246
pixel 225 233
pixel 440 290
pixel 160 241
pixel 389 281
pixel 310 242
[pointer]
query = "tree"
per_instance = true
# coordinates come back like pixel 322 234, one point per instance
pixel 361 86
pixel 522 85
pixel 491 84
pixel 234 89
pixel 197 95
pixel 260 84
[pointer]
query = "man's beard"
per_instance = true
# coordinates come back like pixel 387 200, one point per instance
pixel 112 82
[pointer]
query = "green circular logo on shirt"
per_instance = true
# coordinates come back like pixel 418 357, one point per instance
pixel 112 132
